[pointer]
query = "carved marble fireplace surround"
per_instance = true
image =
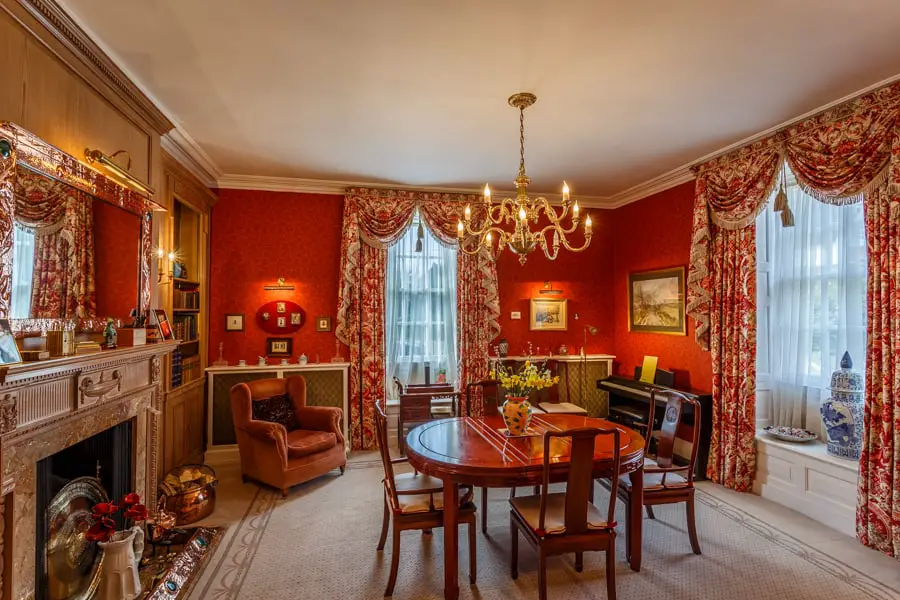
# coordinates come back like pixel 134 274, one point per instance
pixel 48 406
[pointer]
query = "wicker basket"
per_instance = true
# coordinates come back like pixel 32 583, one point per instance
pixel 189 493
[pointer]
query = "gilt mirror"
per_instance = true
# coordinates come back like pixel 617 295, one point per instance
pixel 75 244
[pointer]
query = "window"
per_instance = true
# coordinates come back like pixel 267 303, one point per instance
pixel 811 303
pixel 23 269
pixel 420 309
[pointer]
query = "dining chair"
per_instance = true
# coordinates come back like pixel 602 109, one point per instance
pixel 420 405
pixel 415 501
pixel 564 522
pixel 489 393
pixel 664 481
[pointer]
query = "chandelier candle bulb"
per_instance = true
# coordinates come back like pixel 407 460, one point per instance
pixel 522 214
pixel 574 208
pixel 459 229
pixel 468 212
pixel 487 193
pixel 587 224
pixel 171 256
pixel 566 194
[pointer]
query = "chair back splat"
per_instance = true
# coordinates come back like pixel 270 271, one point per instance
pixel 488 393
pixel 581 476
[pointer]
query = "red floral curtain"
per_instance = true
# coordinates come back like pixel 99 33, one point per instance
pixel 730 193
pixel 847 154
pixel 63 224
pixel 373 220
pixel 878 509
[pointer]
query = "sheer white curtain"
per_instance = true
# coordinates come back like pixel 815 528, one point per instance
pixel 816 305
pixel 23 269
pixel 420 309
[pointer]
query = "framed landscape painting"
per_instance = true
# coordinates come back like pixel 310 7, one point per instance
pixel 656 302
pixel 548 314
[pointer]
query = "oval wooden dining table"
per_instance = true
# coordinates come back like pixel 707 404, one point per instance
pixel 473 450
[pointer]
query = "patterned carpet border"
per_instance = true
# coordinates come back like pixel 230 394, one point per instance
pixel 237 556
pixel 819 559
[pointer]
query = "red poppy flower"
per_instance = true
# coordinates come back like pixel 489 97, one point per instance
pixel 101 531
pixel 131 499
pixel 104 508
pixel 136 512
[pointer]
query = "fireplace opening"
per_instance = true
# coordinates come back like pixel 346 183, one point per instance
pixel 68 484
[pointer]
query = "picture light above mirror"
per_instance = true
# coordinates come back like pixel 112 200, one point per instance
pixel 123 174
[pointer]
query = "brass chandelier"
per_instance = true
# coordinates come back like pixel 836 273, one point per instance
pixel 523 212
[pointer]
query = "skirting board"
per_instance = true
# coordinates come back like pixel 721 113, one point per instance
pixel 805 478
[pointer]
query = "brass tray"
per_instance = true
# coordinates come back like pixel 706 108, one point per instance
pixel 73 562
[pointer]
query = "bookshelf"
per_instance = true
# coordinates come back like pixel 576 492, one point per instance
pixel 185 231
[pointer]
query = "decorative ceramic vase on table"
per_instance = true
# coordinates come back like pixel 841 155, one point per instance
pixel 121 556
pixel 842 414
pixel 517 413
pixel 503 348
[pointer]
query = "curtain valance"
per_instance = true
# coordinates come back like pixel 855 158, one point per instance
pixel 373 220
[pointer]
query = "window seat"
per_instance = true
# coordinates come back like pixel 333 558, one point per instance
pixel 805 478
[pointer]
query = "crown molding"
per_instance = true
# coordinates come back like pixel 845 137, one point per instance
pixel 80 42
pixel 653 186
pixel 183 148
pixel 339 188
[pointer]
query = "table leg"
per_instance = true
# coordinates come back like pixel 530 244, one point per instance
pixel 635 518
pixel 451 539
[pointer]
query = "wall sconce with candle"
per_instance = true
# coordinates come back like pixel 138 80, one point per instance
pixel 161 271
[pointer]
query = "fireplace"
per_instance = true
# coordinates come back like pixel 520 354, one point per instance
pixel 99 464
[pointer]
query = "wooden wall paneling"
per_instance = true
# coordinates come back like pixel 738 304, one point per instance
pixel 72 116
pixel 12 63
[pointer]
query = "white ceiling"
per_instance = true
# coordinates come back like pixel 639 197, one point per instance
pixel 413 92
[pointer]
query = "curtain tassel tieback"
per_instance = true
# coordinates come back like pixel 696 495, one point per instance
pixel 781 203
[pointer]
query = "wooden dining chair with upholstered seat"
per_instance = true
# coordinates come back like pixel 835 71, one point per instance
pixel 415 501
pixel 664 481
pixel 488 394
pixel 565 522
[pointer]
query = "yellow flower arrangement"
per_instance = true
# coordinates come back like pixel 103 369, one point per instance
pixel 529 378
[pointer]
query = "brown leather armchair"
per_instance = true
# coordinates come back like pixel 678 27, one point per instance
pixel 271 454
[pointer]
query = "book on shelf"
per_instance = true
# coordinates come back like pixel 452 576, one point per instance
pixel 189 299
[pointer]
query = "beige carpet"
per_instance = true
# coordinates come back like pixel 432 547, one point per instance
pixel 319 543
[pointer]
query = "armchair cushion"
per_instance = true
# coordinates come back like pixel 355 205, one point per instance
pixel 301 442
pixel 275 409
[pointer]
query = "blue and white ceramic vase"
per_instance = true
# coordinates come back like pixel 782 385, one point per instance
pixel 842 414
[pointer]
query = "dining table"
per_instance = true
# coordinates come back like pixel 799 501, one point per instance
pixel 475 450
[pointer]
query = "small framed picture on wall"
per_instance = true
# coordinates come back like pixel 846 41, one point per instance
pixel 549 314
pixel 282 322
pixel 280 307
pixel 279 346
pixel 296 318
pixel 323 323
pixel 234 322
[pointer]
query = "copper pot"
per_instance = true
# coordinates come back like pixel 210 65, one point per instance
pixel 192 506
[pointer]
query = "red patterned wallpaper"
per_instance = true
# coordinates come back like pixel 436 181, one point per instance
pixel 655 233
pixel 586 281
pixel 258 236
pixel 117 248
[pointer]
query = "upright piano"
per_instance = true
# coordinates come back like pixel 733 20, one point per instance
pixel 629 404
